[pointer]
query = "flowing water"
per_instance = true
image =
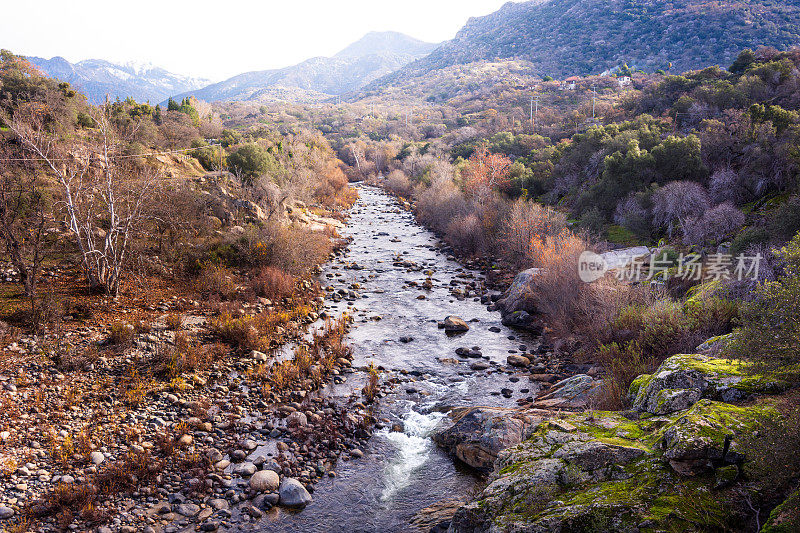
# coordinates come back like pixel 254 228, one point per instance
pixel 404 472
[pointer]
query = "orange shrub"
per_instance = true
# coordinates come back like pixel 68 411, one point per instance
pixel 273 283
pixel 216 280
pixel 525 221
pixel 562 296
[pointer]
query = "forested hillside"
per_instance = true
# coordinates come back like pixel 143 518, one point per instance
pixel 578 37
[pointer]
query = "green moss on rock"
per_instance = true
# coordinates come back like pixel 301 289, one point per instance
pixel 615 474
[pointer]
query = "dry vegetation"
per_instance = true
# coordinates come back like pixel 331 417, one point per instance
pixel 199 271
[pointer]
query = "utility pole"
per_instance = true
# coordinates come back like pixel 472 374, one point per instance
pixel 594 98
pixel 534 111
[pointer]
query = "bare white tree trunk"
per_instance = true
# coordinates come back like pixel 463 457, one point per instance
pixel 97 190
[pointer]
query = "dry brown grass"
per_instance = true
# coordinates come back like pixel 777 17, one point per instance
pixel 303 359
pixel 282 375
pixel 184 357
pixel 371 389
pixel 216 281
pixel 238 332
pixel 65 502
pixel 561 295
pixel 174 321
pixel 121 333
pixel 273 283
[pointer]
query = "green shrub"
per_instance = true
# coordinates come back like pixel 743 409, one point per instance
pixel 251 160
pixel 747 238
pixel 709 310
pixel 593 220
pixel 770 323
pixel 784 222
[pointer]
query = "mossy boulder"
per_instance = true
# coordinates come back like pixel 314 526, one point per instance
pixel 684 379
pixel 703 438
pixel 785 518
pixel 478 434
pixel 604 472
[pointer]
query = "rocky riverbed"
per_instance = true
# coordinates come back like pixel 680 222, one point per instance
pixel 98 446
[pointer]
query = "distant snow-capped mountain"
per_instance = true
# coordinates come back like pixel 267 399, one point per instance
pixel 97 78
pixel 373 56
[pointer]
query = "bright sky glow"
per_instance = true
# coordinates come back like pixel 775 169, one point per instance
pixel 219 39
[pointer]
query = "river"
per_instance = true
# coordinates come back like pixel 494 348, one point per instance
pixel 388 260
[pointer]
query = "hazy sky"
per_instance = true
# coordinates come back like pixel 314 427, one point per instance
pixel 222 38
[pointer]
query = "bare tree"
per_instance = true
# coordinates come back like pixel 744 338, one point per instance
pixel 525 221
pixel 102 193
pixel 23 221
pixel 679 202
pixel 714 225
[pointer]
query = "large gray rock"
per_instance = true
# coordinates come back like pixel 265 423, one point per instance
pixel 264 481
pixel 520 296
pixel 593 455
pixel 478 434
pixel 293 494
pixel 703 436
pixel 617 259
pixel 577 392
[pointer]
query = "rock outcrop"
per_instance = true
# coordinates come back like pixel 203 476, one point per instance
pixel 682 380
pixel 575 393
pixel 601 471
pixel 520 295
pixel 478 434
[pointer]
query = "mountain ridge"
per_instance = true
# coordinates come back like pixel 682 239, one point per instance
pixel 97 78
pixel 562 38
pixel 371 57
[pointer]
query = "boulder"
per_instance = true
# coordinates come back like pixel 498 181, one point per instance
pixel 293 494
pixel 704 437
pixel 454 324
pixel 264 481
pixel 520 295
pixel 616 259
pixel 593 455
pixel 517 360
pixel 577 392
pixel 478 434
pixel 684 379
pixel 520 320
pixel 600 471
